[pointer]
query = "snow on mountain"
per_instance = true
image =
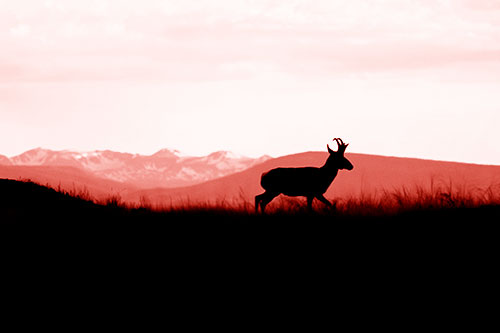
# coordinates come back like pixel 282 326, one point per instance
pixel 223 160
pixel 4 160
pixel 104 160
pixel 165 168
pixel 168 153
pixel 39 156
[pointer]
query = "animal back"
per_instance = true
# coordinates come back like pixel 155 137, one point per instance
pixel 294 181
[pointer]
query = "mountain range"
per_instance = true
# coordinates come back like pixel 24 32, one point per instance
pixel 166 168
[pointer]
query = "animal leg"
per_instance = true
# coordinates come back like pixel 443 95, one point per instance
pixel 258 199
pixel 309 203
pixel 265 199
pixel 324 200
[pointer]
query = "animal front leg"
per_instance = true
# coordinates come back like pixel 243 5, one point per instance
pixel 309 203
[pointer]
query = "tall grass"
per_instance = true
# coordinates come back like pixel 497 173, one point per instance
pixel 383 202
pixel 418 198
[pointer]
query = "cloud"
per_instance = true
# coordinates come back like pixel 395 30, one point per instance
pixel 207 40
pixel 20 30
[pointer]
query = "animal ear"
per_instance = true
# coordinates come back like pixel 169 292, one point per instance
pixel 329 150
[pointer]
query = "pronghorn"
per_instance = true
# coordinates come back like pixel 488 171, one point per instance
pixel 309 182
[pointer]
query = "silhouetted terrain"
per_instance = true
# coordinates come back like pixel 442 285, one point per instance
pixel 205 244
pixel 67 178
pixel 27 203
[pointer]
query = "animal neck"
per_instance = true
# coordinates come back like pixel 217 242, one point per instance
pixel 329 171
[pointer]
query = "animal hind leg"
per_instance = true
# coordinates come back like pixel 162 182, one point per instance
pixel 332 206
pixel 324 200
pixel 266 198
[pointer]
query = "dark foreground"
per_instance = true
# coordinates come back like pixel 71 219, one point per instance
pixel 53 241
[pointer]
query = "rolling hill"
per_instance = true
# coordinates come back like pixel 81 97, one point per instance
pixel 68 178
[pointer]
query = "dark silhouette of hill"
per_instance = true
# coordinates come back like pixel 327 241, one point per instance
pixel 372 174
pixel 33 204
pixel 41 218
pixel 61 237
pixel 33 207
pixel 25 200
pixel 67 178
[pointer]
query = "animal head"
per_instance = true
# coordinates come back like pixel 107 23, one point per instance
pixel 337 159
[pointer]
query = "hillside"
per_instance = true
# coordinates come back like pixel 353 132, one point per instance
pixel 67 178
pixel 38 205
pixel 40 213
pixel 37 218
pixel 371 175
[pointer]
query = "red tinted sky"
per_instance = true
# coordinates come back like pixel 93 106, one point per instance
pixel 406 78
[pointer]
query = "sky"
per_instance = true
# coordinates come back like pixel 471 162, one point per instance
pixel 411 78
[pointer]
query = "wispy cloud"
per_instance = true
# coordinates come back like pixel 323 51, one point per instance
pixel 184 40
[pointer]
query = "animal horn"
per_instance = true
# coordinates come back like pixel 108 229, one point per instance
pixel 341 145
pixel 338 142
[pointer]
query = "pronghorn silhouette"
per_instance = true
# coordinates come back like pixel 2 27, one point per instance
pixel 309 182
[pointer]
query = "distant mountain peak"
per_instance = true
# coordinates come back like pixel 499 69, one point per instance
pixel 4 160
pixel 224 154
pixel 36 156
pixel 36 151
pixel 165 168
pixel 165 152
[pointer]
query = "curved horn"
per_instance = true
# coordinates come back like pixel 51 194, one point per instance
pixel 341 145
pixel 338 143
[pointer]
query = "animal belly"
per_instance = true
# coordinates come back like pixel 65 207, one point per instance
pixel 303 189
pixel 293 193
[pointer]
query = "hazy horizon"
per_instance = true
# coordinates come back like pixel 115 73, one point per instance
pixel 405 78
pixel 238 155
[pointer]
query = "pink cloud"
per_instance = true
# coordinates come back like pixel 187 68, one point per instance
pixel 109 41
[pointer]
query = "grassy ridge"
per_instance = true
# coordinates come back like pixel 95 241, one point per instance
pixel 25 194
pixel 27 201
pixel 394 227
